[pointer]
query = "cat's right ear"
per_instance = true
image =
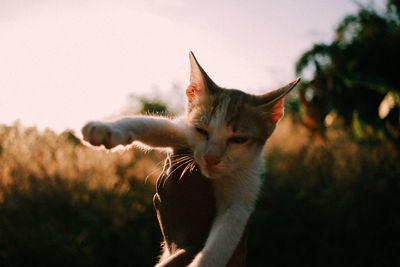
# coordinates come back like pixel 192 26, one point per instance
pixel 200 84
pixel 272 102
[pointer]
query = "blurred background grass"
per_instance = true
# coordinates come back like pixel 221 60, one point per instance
pixel 323 203
pixel 330 195
pixel 65 204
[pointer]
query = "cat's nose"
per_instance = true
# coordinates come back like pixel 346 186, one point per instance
pixel 211 160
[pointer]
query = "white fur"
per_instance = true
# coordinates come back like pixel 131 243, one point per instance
pixel 236 197
pixel 165 253
pixel 236 191
pixel 156 132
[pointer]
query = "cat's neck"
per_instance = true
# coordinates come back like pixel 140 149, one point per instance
pixel 240 186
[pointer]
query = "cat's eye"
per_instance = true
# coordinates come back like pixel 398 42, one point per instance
pixel 238 140
pixel 202 131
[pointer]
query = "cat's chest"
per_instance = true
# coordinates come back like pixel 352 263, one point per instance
pixel 236 191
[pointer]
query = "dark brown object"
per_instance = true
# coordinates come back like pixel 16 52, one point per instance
pixel 186 209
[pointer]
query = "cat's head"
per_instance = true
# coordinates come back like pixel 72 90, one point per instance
pixel 228 128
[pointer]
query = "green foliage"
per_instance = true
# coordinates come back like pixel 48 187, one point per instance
pixel 153 107
pixel 356 71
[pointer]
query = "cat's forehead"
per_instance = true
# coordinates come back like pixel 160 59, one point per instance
pixel 229 106
pixel 232 108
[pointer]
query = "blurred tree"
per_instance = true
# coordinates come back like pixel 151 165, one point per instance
pixel 394 4
pixel 356 76
pixel 157 102
pixel 153 107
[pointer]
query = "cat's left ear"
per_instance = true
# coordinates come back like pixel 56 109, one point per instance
pixel 272 102
pixel 200 84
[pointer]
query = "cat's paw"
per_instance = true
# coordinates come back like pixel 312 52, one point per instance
pixel 99 133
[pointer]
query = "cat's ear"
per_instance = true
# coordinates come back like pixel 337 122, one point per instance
pixel 200 84
pixel 272 102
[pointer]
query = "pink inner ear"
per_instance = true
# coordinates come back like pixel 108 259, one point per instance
pixel 276 112
pixel 192 91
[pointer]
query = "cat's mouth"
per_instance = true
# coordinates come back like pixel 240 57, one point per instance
pixel 211 171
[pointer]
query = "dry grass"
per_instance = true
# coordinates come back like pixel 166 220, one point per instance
pixel 62 203
pixel 27 152
pixel 323 203
pixel 327 203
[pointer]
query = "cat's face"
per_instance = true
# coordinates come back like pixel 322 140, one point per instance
pixel 227 132
pixel 228 128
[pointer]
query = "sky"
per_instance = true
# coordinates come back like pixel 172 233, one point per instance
pixel 63 63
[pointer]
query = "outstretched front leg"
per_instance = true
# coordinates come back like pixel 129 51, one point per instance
pixel 151 131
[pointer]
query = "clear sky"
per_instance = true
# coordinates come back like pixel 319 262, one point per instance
pixel 63 63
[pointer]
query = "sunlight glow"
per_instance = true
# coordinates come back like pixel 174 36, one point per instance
pixel 66 62
pixel 386 105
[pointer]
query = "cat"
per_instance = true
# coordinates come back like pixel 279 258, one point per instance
pixel 222 137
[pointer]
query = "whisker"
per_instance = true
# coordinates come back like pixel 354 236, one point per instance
pixel 193 167
pixel 174 163
pixel 181 156
pixel 190 167
pixel 173 159
pixel 180 165
pixel 184 170
pixel 154 169
pixel 180 160
pixel 175 168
